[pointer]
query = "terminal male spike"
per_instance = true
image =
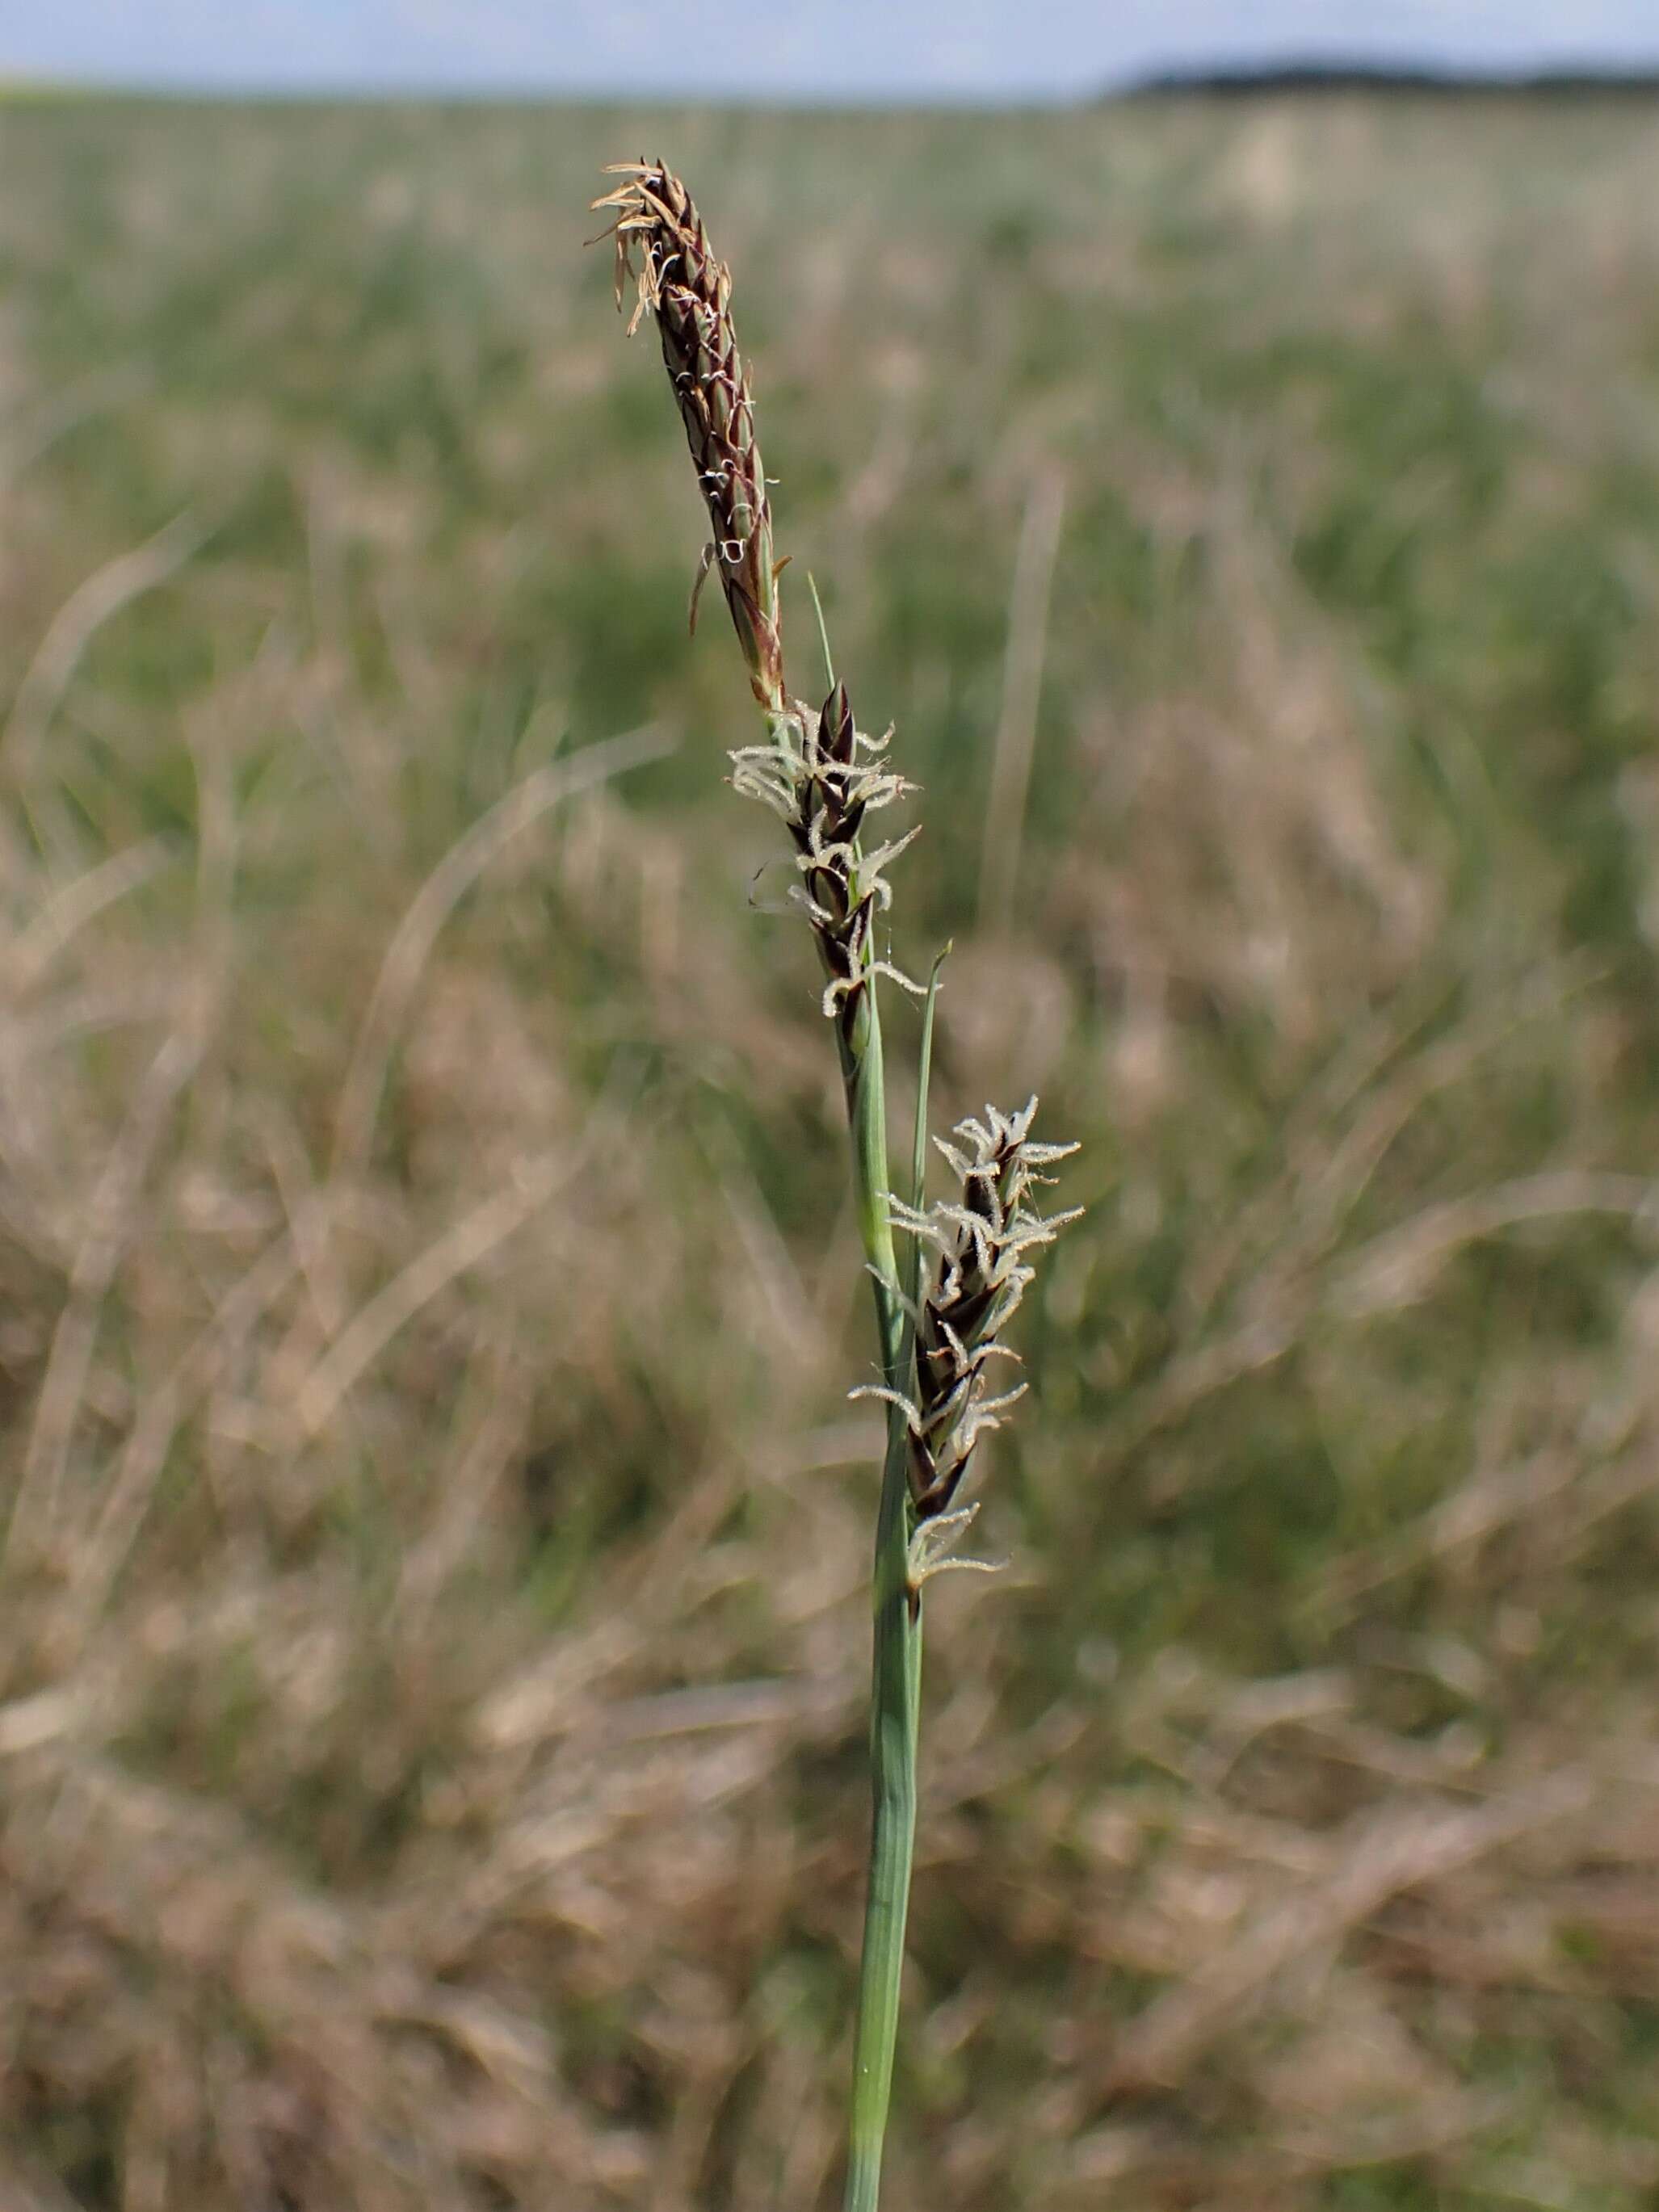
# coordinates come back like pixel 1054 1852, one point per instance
pixel 663 248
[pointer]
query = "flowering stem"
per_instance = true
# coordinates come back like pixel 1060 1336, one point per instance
pixel 823 775
pixel 894 1708
pixel 866 1114
pixel 894 1720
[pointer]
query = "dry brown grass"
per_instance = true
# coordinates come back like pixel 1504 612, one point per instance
pixel 432 1624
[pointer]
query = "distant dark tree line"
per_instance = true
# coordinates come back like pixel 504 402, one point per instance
pixel 1297 77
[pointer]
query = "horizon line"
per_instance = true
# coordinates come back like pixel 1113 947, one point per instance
pixel 1294 71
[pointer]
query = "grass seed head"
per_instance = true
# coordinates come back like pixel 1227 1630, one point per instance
pixel 823 777
pixel 982 1238
pixel 662 247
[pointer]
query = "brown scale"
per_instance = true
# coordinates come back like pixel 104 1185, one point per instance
pixel 690 292
pixel 827 822
pixel 956 1330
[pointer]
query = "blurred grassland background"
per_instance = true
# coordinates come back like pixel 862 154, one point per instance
pixel 433 1630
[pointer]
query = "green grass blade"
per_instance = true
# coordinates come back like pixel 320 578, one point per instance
pixel 823 630
pixel 919 1146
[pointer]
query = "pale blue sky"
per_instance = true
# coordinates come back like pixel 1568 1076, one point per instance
pixel 858 48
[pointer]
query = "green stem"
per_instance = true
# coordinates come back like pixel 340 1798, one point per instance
pixel 866 1114
pixel 897 1675
pixel 894 1698
pixel 894 1721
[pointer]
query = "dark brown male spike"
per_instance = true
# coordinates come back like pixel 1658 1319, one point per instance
pixel 690 292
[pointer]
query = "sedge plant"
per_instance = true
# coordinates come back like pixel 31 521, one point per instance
pixel 941 1313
